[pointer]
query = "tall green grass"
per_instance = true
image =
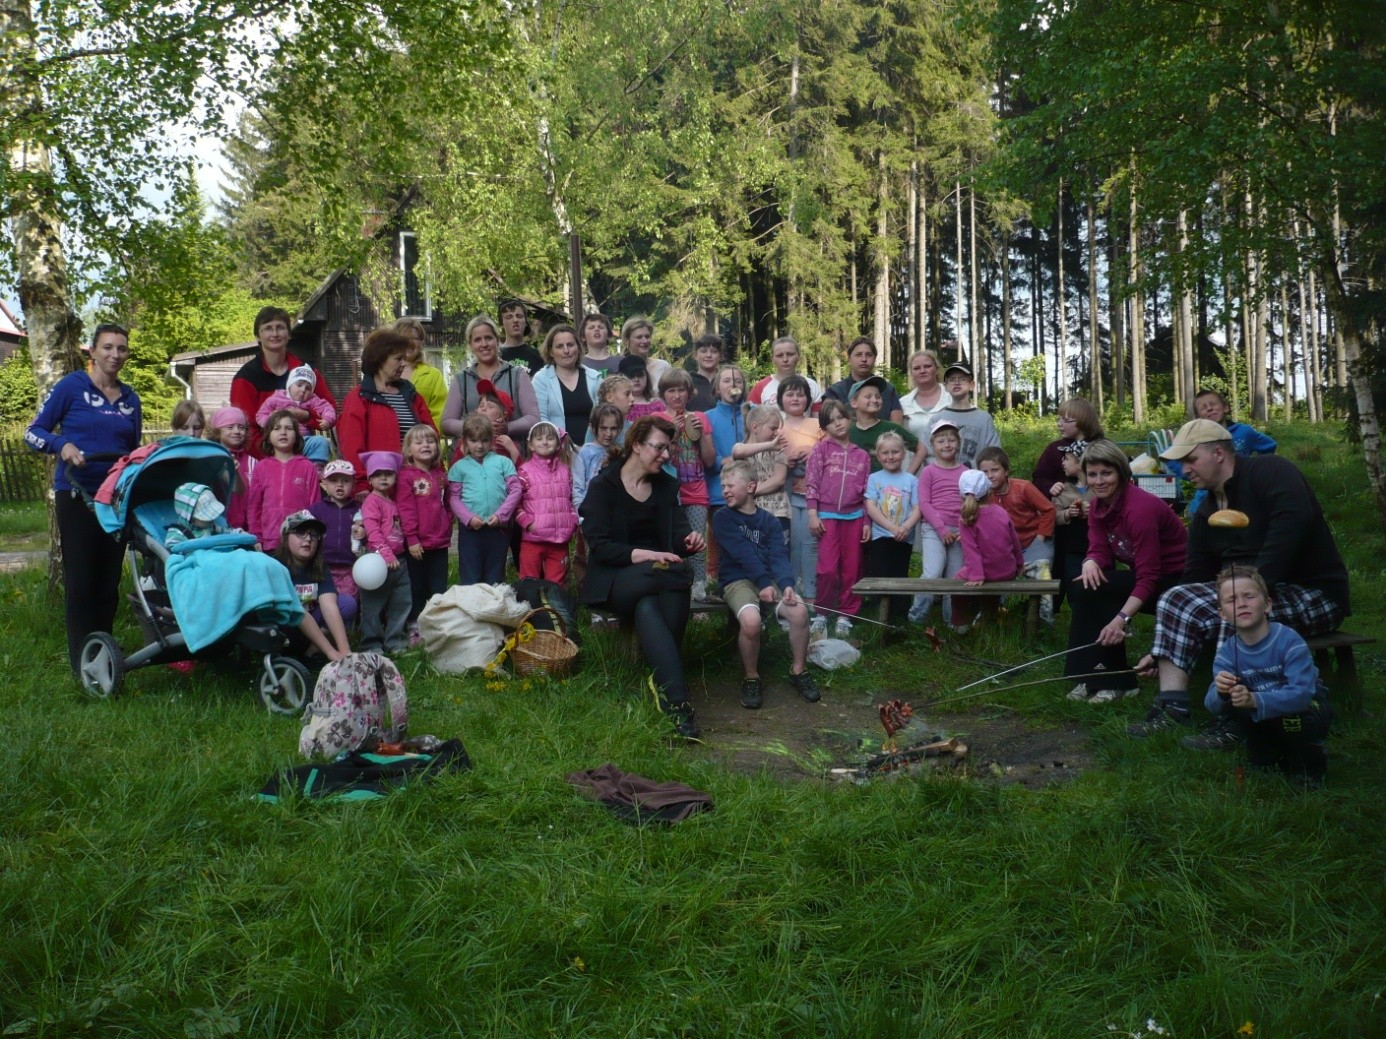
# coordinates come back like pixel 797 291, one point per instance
pixel 145 893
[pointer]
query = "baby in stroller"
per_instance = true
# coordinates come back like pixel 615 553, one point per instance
pixel 200 590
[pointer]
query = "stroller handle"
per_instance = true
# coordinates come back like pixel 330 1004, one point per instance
pixel 69 471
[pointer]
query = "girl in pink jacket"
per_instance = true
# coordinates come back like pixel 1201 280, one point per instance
pixel 282 483
pixel 421 494
pixel 836 474
pixel 546 516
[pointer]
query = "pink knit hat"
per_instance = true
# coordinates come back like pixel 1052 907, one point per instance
pixel 228 416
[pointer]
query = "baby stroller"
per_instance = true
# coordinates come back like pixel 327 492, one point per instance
pixel 205 597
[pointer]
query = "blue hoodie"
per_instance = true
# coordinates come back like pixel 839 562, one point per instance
pixel 76 412
pixel 728 430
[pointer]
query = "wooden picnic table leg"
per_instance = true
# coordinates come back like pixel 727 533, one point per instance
pixel 1347 677
pixel 1032 616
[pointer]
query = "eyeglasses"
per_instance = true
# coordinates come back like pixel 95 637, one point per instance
pixel 660 449
pixel 310 535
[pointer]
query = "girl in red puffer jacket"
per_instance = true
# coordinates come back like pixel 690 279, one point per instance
pixel 546 517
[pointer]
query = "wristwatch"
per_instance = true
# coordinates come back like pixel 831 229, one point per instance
pixel 1124 618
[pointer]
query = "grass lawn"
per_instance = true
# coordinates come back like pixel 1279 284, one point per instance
pixel 146 893
pixel 23 526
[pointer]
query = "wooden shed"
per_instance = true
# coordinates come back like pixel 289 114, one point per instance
pixel 208 373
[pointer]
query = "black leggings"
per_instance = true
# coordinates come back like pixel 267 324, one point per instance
pixel 91 573
pixel 1092 611
pixel 660 613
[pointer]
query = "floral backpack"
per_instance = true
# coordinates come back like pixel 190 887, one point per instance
pixel 348 705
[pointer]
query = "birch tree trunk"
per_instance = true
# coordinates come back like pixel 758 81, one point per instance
pixel 1006 344
pixel 958 276
pixel 882 301
pixel 1137 303
pixel 979 348
pixel 1287 348
pixel 913 253
pixel 1116 307
pixel 921 263
pixel 1095 346
pixel 1060 303
pixel 1185 343
pixel 1315 346
pixel 53 328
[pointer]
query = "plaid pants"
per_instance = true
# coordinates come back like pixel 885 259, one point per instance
pixel 1187 615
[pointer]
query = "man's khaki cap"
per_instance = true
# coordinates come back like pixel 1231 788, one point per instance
pixel 1191 434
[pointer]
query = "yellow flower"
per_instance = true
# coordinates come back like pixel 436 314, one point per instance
pixel 1247 1029
pixel 579 964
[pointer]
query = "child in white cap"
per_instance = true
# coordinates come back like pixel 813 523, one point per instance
pixel 299 397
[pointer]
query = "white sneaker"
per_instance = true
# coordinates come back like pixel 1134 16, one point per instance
pixel 699 592
pixel 1110 695
pixel 842 628
pixel 1079 692
pixel 818 628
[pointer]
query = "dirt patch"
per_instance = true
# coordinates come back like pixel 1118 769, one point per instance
pixel 791 739
pixel 12 560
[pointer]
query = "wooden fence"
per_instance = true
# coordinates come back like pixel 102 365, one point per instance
pixel 24 473
pixel 23 476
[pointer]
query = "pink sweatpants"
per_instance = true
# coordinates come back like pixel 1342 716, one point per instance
pixel 840 564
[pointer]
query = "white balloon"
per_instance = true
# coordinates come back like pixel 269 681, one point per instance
pixel 369 571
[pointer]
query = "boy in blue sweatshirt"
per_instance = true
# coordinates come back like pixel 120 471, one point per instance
pixel 756 575
pixel 1265 677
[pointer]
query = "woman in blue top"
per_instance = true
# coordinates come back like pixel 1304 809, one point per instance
pixel 88 413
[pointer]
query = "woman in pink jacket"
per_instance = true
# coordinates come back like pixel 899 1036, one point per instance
pixel 546 516
pixel 1126 526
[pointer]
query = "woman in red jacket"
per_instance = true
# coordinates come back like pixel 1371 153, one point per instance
pixel 377 414
pixel 268 371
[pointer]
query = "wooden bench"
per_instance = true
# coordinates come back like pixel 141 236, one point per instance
pixel 912 586
pixel 1336 647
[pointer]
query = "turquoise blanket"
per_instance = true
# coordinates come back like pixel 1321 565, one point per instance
pixel 211 592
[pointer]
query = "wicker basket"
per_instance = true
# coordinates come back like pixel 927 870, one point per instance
pixel 546 653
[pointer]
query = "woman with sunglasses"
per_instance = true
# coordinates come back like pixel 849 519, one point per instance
pixel 637 540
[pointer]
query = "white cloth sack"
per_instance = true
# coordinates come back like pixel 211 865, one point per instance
pixel 831 654
pixel 464 627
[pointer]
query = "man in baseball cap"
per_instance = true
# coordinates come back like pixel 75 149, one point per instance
pixel 1270 519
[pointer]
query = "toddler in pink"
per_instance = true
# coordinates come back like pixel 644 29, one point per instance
pixel 298 394
pixel 990 545
pixel 384 610
pixel 546 516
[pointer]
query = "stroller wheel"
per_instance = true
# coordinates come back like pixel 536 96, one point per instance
pixel 284 685
pixel 102 665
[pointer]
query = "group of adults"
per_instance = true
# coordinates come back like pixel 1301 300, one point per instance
pixel 1137 557
pixel 1169 571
